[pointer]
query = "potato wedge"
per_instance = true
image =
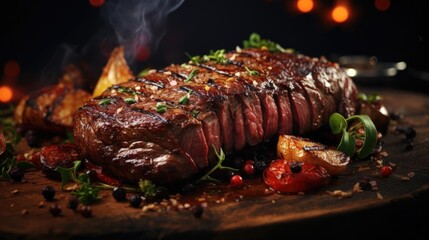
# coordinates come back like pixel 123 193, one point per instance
pixel 116 71
pixel 293 148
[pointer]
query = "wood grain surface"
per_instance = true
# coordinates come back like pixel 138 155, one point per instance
pixel 262 217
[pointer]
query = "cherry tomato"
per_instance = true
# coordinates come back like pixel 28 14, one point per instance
pixel 386 171
pixel 236 181
pixel 279 176
pixel 248 169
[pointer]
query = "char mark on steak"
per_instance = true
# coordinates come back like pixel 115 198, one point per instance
pixel 175 119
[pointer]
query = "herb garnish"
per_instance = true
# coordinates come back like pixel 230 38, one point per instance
pixel 130 100
pixel 161 107
pixel 251 72
pixel 255 41
pixel 373 98
pixel 185 98
pixel 347 144
pixel 191 75
pixel 221 159
pixel 218 56
pixel 104 102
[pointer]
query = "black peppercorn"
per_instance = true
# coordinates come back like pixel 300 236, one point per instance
pixel 55 210
pixel 48 193
pixel 73 203
pixel 119 194
pixel 135 201
pixel 85 211
pixel 295 167
pixel 16 174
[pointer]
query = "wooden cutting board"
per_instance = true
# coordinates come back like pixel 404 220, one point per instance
pixel 257 217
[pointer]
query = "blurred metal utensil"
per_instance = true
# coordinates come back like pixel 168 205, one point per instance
pixel 361 66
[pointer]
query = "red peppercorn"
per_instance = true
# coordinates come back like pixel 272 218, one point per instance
pixel 236 181
pixel 249 169
pixel 55 210
pixel 386 171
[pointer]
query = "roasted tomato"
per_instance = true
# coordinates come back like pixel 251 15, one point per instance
pixel 293 177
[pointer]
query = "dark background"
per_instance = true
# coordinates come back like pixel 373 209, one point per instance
pixel 44 36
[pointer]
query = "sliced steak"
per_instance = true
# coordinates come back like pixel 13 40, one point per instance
pixel 144 129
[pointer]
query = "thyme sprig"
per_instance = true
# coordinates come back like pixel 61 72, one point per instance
pixel 221 158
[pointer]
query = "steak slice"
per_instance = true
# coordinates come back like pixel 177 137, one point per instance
pixel 143 129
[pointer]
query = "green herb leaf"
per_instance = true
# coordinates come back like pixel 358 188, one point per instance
pixel 218 56
pixel 86 193
pixel 130 100
pixel 195 113
pixel 255 41
pixel 24 165
pixel 185 98
pixel 337 123
pixel 370 135
pixel 147 188
pixel 68 174
pixel 104 102
pixel 347 143
pixel 161 107
pixel 251 72
pixel 191 75
pixel 221 158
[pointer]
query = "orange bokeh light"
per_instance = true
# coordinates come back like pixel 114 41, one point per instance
pixel 340 14
pixel 382 5
pixel 6 94
pixel 96 3
pixel 12 69
pixel 305 6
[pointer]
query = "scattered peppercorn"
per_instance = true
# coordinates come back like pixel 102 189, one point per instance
pixel 33 138
pixel 85 211
pixel 364 184
pixel 73 203
pixel 135 201
pixel 197 210
pixel 92 175
pixel 260 166
pixel 119 194
pixel 48 193
pixel 188 188
pixel 55 210
pixel 295 167
pixel 16 174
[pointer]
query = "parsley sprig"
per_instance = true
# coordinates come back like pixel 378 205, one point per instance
pixel 221 158
pixel 255 41
pixel 340 125
pixel 218 56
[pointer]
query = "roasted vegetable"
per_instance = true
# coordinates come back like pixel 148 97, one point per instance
pixel 293 148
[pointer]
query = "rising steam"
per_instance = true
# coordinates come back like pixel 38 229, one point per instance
pixel 139 24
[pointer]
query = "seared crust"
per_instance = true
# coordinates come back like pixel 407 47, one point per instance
pixel 227 106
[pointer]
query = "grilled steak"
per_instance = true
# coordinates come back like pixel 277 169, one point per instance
pixel 165 126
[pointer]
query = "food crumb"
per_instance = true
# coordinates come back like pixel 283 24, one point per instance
pixel 411 174
pixel 273 201
pixel 379 196
pixel 405 178
pixel 41 204
pixel 373 184
pixel 357 188
pixel 24 212
pixel 341 194
pixel 12 205
pixel 16 191
pixel 301 193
